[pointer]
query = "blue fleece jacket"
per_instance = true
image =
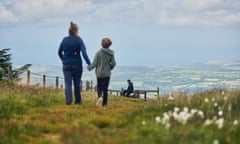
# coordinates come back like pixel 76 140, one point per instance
pixel 69 51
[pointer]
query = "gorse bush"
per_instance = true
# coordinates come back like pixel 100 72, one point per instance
pixel 30 114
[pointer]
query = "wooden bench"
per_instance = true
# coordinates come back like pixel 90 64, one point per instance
pixel 136 93
pixel 118 92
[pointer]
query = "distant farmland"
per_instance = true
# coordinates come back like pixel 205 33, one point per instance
pixel 189 78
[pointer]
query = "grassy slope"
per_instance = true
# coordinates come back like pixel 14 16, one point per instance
pixel 36 115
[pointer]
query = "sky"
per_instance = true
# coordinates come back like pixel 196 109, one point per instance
pixel 143 32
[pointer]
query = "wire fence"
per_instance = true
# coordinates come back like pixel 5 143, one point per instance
pixel 40 79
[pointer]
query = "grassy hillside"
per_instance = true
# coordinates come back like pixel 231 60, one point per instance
pixel 39 116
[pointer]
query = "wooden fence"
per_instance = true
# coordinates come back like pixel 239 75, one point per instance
pixel 89 84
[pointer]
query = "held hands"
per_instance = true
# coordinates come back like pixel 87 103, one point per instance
pixel 89 68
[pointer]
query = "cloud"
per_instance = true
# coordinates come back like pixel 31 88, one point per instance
pixel 199 12
pixel 158 12
pixel 41 10
pixel 199 5
pixel 6 15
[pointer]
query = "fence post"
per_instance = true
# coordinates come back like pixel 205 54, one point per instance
pixel 145 95
pixel 28 77
pixel 9 73
pixel 95 88
pixel 121 93
pixel 57 82
pixel 87 85
pixel 44 80
pixel 91 84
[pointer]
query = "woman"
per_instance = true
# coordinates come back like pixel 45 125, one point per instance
pixel 69 53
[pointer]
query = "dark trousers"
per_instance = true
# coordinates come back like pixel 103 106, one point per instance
pixel 102 88
pixel 127 93
pixel 72 73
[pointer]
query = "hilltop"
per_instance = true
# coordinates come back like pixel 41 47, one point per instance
pixel 39 115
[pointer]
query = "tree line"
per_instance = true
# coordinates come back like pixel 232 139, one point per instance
pixel 7 72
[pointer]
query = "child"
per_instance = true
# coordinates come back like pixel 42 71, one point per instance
pixel 104 62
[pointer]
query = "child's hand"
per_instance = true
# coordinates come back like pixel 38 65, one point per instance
pixel 89 67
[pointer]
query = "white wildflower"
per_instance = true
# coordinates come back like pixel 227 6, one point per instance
pixel 165 118
pixel 183 117
pixel 215 104
pixel 216 141
pixel 168 125
pixel 175 115
pixel 185 109
pixel 220 113
pixel 143 123
pixel 206 100
pixel 200 113
pixel 235 122
pixel 193 111
pixel 170 97
pixel 220 122
pixel 208 122
pixel 176 109
pixel 222 93
pixel 158 119
pixel 213 99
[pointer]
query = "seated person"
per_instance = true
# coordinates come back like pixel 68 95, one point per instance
pixel 129 90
